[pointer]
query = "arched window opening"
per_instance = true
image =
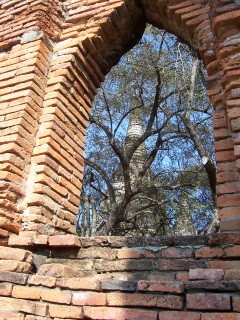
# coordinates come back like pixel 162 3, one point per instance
pixel 150 161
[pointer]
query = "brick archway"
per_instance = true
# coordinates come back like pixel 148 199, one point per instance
pixel 52 62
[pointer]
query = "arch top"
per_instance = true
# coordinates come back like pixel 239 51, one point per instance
pixel 114 28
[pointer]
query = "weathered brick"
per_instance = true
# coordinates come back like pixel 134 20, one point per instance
pixel 218 239
pixel 80 284
pixel 97 253
pixel 7 315
pixel 216 286
pixel 107 313
pixel 134 253
pixel 16 254
pixel 161 286
pixel 167 301
pixel 206 274
pixel 124 265
pixel 57 271
pixel 30 317
pixel 11 304
pixel 5 289
pixel 15 240
pixel 232 251
pixel 176 253
pixel 31 293
pixel 63 297
pixel 202 301
pixel 39 280
pixel 65 312
pixel 209 252
pixel 179 315
pixel 131 299
pixel 64 241
pixel 182 276
pixel 220 316
pixel 15 266
pixel 233 274
pixel 225 265
pixel 180 264
pixel 236 304
pixel 119 285
pixel 89 298
pixel 13 277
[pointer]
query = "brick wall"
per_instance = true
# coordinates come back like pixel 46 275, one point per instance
pixel 165 278
pixel 54 55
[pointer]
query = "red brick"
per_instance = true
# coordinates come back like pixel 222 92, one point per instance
pixel 80 284
pixel 65 312
pixel 30 317
pixel 89 298
pixel 6 315
pixel 13 277
pixel 97 253
pixel 179 264
pixel 63 297
pixel 38 280
pixel 179 315
pixel 226 144
pixel 15 240
pixel 170 302
pixel 232 251
pixel 5 289
pixel 177 253
pixel 128 299
pixel 224 156
pixel 226 213
pixel 220 316
pixel 135 253
pixel 182 277
pixel 57 270
pixel 40 239
pixel 231 187
pixel 233 274
pixel 202 301
pixel 206 274
pixel 11 304
pixel 108 313
pixel 4 233
pixel 31 293
pixel 228 200
pixel 236 304
pixel 64 241
pixel 225 265
pixel 16 254
pixel 218 239
pixel 15 266
pixel 232 224
pixel 161 286
pixel 209 252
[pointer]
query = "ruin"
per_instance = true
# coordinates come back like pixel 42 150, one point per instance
pixel 53 56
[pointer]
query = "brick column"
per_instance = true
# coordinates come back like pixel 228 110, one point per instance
pixel 22 86
pixel 81 43
pixel 225 26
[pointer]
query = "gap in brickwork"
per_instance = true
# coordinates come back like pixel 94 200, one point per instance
pixel 178 190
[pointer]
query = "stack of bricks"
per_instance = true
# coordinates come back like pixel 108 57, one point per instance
pixel 120 278
pixel 53 57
